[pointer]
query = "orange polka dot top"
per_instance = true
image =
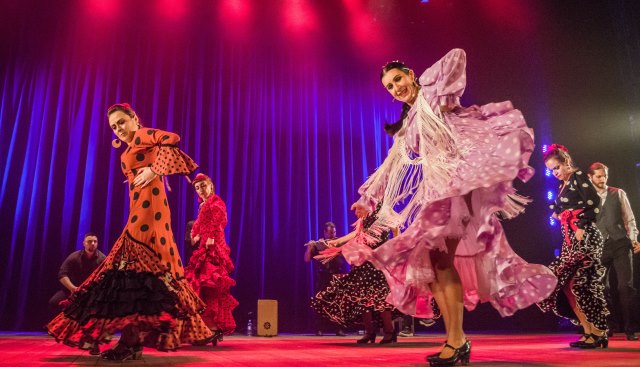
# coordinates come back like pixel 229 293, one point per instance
pixel 149 221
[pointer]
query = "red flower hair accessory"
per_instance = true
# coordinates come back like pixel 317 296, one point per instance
pixel 200 177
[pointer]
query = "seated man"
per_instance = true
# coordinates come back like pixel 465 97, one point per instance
pixel 76 268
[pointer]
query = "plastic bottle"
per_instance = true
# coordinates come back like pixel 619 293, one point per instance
pixel 250 324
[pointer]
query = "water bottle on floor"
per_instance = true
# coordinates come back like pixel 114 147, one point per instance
pixel 250 324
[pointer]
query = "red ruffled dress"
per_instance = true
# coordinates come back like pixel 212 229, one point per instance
pixel 142 279
pixel 210 266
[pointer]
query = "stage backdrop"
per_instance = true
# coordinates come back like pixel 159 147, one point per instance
pixel 280 103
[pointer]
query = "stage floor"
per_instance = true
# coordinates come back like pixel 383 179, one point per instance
pixel 311 351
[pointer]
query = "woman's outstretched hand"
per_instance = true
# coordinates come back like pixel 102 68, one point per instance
pixel 332 243
pixel 327 255
pixel 361 212
pixel 144 177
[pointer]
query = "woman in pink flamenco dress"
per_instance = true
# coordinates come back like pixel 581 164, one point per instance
pixel 210 266
pixel 446 180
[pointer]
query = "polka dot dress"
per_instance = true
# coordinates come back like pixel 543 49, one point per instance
pixel 142 279
pixel 577 206
pixel 349 296
pixel 491 145
pixel 210 266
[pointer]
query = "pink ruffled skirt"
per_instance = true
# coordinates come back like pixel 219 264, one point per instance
pixel 496 145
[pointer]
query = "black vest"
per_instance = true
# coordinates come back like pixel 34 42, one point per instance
pixel 610 221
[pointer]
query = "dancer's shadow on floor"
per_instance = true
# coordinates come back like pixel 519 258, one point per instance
pixel 147 360
pixel 392 345
pixel 492 364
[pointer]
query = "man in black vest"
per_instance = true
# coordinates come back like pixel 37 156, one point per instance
pixel 617 224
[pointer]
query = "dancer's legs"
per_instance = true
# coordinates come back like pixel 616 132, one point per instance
pixel 438 295
pixel 588 327
pixel 387 323
pixel 367 319
pixel 130 336
pixel 448 280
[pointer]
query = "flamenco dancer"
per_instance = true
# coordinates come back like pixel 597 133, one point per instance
pixel 579 295
pixel 210 266
pixel 360 295
pixel 140 288
pixel 452 167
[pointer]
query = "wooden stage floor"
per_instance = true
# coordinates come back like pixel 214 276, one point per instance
pixel 549 350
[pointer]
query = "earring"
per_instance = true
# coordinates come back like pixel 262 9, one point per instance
pixel 393 100
pixel 116 143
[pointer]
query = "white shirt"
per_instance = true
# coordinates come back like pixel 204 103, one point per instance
pixel 627 214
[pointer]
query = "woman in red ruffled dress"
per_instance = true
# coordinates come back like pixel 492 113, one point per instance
pixel 140 288
pixel 210 266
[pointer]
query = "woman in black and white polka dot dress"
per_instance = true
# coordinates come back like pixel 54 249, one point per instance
pixel 359 297
pixel 579 295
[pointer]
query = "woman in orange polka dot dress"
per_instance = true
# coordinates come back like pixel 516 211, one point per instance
pixel 140 288
pixel 210 266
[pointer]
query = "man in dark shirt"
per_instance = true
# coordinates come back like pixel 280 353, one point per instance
pixel 323 273
pixel 76 268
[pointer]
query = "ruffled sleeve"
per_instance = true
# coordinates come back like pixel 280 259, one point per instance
pixel 170 159
pixel 590 198
pixel 447 79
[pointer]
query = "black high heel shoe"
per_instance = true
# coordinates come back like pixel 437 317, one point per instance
pixel 598 342
pixel 367 338
pixel 217 337
pixel 461 354
pixel 578 343
pixel 438 353
pixel 122 353
pixel 389 338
